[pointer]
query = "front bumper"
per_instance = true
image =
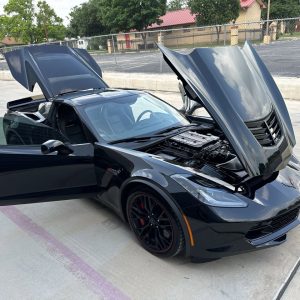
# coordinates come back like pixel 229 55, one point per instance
pixel 219 232
pixel 223 239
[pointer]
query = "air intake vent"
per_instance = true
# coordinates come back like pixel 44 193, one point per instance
pixel 267 131
pixel 273 225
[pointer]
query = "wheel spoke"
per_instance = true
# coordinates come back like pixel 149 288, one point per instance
pixel 137 209
pixel 137 212
pixel 161 241
pixel 165 226
pixel 144 230
pixel 148 203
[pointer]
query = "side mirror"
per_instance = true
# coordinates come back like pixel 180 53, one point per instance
pixel 55 146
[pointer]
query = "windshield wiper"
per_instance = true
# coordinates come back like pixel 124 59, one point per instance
pixel 177 127
pixel 160 134
pixel 138 138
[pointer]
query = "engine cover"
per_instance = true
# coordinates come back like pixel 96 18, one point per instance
pixel 194 139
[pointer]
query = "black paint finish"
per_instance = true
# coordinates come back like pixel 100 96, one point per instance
pixel 235 87
pixel 94 168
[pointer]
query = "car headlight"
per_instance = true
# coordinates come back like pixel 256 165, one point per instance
pixel 209 196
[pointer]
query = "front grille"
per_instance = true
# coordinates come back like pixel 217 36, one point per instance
pixel 285 219
pixel 267 131
pixel 273 225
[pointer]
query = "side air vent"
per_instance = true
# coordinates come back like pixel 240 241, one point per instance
pixel 267 131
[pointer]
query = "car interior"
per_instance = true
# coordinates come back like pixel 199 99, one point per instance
pixel 70 125
pixel 116 120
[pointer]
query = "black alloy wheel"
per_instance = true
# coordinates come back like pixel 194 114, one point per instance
pixel 154 224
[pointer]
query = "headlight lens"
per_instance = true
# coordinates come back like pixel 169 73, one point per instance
pixel 209 196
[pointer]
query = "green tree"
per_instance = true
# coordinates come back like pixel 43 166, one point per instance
pixel 280 9
pixel 4 26
pixel 176 5
pixel 24 23
pixel 126 15
pixel 49 25
pixel 215 12
pixel 20 20
pixel 86 20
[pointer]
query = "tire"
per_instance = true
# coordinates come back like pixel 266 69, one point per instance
pixel 154 223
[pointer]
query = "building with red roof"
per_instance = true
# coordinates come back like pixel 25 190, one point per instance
pixel 10 41
pixel 181 17
pixel 248 3
pixel 250 11
pixel 178 28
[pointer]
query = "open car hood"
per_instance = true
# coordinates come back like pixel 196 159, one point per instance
pixel 239 93
pixel 56 69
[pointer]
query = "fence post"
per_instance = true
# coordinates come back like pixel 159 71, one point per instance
pixel 225 35
pixel 194 37
pixel 160 38
pixel 161 41
pixel 234 35
pixel 114 49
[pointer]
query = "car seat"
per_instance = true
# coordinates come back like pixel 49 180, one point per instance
pixel 117 117
pixel 70 125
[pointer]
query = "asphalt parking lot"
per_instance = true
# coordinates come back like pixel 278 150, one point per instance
pixel 282 59
pixel 78 249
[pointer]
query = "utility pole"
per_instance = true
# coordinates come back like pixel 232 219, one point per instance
pixel 268 16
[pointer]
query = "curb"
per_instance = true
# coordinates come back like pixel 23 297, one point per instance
pixel 289 86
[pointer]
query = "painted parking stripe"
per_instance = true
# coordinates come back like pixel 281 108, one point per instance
pixel 71 261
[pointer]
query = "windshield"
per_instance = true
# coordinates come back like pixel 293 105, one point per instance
pixel 132 116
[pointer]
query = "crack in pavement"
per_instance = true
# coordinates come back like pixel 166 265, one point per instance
pixel 287 282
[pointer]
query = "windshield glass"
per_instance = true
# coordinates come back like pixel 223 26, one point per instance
pixel 132 116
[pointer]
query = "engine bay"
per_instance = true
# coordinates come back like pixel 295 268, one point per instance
pixel 203 150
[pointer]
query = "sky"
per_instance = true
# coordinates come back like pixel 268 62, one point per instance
pixel 61 7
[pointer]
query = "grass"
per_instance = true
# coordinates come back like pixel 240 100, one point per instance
pixel 289 36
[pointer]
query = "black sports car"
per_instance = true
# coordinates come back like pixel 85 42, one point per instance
pixel 206 187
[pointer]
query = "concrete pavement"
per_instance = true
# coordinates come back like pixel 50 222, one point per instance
pixel 289 87
pixel 293 289
pixel 78 249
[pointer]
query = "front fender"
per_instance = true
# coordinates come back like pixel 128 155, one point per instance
pixel 159 184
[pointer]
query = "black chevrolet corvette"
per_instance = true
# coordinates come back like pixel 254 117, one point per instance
pixel 205 187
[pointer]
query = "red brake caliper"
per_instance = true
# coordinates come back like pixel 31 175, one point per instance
pixel 142 221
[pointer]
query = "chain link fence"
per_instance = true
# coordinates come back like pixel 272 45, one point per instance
pixel 190 37
pixel 187 37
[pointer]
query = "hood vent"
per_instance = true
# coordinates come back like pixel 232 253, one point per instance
pixel 267 131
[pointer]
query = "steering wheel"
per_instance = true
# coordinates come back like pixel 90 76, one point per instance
pixel 141 115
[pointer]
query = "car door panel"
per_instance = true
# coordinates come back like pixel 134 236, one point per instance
pixel 27 175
